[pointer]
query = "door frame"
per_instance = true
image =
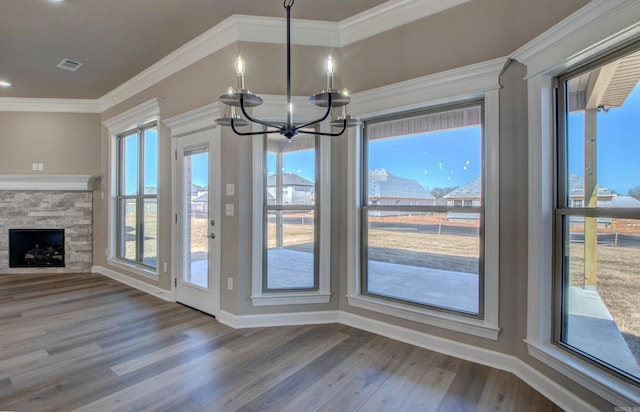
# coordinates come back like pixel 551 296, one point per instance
pixel 212 136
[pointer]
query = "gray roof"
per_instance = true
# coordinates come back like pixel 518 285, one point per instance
pixel 576 187
pixel 383 183
pixel 469 190
pixel 472 189
pixel 201 199
pixel 624 201
pixel 289 179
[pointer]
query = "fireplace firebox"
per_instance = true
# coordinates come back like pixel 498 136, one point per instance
pixel 36 248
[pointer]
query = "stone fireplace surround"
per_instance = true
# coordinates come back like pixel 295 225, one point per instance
pixel 38 201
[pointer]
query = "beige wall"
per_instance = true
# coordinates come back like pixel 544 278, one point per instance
pixel 470 33
pixel 66 143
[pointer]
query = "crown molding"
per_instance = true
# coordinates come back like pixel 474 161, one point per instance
pixel 202 118
pixel 238 28
pixel 390 15
pixel 585 33
pixel 22 104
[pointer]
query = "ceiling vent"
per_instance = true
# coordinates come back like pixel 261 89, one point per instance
pixel 68 64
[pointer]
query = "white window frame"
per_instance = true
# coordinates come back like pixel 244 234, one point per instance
pixel 597 27
pixel 138 116
pixel 475 82
pixel 272 109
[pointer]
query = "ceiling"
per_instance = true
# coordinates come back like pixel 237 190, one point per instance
pixel 117 39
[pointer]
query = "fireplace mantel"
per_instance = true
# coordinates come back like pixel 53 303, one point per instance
pixel 35 181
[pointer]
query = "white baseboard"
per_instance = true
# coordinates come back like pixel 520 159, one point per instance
pixel 277 319
pixel 134 283
pixel 540 382
pixel 556 393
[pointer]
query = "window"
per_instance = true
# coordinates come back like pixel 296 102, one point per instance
pixel 423 209
pixel 291 228
pixel 440 100
pixel 136 196
pixel 597 216
pixel 579 39
pixel 291 214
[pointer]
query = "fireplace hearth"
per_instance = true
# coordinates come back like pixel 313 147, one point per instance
pixel 36 248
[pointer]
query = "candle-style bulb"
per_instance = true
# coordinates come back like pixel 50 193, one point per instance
pixel 239 66
pixel 345 92
pixel 240 72
pixel 331 66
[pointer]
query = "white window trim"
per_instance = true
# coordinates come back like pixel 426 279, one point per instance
pixel 140 115
pixel 273 109
pixel 458 85
pixel 598 26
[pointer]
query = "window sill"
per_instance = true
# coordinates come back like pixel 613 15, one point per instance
pixel 290 298
pixel 443 320
pixel 591 377
pixel 135 269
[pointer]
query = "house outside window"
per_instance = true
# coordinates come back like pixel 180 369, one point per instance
pixel 416 248
pixel 291 214
pixel 137 196
pixel 597 217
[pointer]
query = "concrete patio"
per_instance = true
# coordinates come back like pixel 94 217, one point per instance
pixel 590 328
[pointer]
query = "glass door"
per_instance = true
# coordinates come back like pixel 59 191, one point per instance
pixel 195 269
pixel 196 280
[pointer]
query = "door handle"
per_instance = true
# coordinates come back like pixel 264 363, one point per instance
pixel 212 235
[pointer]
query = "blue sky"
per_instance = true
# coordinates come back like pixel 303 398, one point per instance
pixel 301 163
pixel 442 159
pixel 151 154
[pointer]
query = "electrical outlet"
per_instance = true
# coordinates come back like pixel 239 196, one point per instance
pixel 40 166
pixel 34 166
pixel 229 209
pixel 230 283
pixel 231 189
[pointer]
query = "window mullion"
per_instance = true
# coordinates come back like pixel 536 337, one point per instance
pixel 139 198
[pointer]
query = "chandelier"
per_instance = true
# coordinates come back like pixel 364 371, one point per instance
pixel 244 99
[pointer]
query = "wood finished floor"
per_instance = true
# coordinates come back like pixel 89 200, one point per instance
pixel 85 342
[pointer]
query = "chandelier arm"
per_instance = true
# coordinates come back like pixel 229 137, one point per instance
pixel 344 127
pixel 322 119
pixel 253 119
pixel 236 131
